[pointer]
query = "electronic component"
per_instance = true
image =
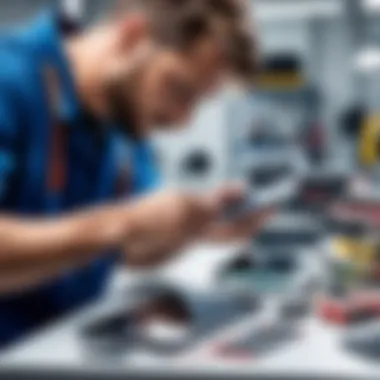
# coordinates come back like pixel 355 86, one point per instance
pixel 161 318
pixel 258 276
pixel 163 321
pixel 295 307
pixel 261 341
pixel 365 342
pixel 350 309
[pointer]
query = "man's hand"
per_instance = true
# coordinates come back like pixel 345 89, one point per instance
pixel 163 224
pixel 242 229
pixel 149 230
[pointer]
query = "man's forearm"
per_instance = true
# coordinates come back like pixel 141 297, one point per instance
pixel 32 251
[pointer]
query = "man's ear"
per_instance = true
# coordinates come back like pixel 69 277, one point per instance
pixel 133 30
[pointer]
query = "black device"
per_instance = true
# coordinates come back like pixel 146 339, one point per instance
pixel 261 341
pixel 166 322
pixel 258 201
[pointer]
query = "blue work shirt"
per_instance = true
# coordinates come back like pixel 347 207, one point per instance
pixel 93 156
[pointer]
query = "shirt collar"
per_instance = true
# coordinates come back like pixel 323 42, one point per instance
pixel 47 34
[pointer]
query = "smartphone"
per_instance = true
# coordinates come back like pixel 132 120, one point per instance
pixel 258 201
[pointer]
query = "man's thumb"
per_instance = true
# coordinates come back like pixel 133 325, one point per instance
pixel 219 200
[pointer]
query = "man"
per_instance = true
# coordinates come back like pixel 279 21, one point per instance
pixel 76 110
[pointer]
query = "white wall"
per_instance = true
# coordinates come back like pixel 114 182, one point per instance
pixel 207 131
pixel 324 48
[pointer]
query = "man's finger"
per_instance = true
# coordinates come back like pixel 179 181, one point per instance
pixel 226 196
pixel 255 217
pixel 241 229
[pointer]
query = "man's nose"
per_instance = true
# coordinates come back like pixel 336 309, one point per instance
pixel 182 116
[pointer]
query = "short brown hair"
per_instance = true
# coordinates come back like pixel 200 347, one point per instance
pixel 180 23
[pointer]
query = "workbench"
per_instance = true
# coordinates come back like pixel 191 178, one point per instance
pixel 57 352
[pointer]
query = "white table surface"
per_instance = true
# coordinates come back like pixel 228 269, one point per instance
pixel 317 352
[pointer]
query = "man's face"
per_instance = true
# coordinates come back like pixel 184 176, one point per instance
pixel 162 88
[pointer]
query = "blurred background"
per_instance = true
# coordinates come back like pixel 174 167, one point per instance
pixel 324 50
pixel 318 93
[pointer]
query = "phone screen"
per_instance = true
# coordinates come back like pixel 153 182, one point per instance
pixel 262 200
pixel 273 196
